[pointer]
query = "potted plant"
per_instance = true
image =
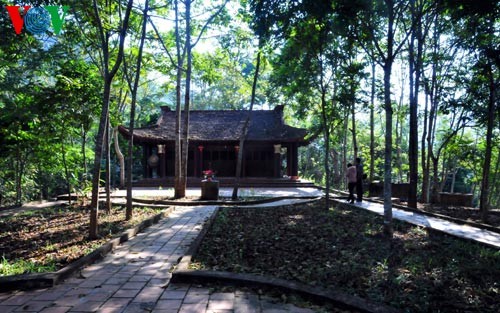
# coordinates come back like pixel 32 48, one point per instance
pixel 209 175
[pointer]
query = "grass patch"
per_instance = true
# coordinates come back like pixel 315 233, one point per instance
pixel 46 240
pixel 21 266
pixel 416 271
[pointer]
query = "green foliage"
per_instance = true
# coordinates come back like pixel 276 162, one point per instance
pixel 45 112
pixel 20 266
pixel 224 80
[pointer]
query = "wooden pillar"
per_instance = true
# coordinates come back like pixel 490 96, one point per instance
pixel 294 174
pixel 198 161
pixel 163 162
pixel 277 161
pixel 145 150
pixel 195 162
pixel 236 151
pixel 289 160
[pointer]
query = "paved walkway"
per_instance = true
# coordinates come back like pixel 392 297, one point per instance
pixel 226 192
pixel 135 278
pixel 459 230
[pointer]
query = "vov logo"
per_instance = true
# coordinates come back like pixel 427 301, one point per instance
pixel 37 19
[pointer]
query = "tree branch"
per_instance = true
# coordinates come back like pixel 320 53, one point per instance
pixel 163 43
pixel 210 19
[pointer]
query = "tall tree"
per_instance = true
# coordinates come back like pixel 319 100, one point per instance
pixel 241 151
pixel 133 86
pixel 422 15
pixel 187 102
pixel 382 29
pixel 480 33
pixel 182 130
pixel 414 77
pixel 439 84
pixel 372 122
pixel 109 68
pixel 179 181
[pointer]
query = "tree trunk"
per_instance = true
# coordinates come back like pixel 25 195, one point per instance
pixel 239 162
pixel 182 131
pixel 453 179
pixel 434 103
pixel 65 165
pixel 187 101
pixel 495 192
pixel 353 130
pixel 444 173
pixel 388 150
pixel 129 208
pixel 94 205
pixel 414 89
pixel 389 59
pixel 19 176
pixel 326 133
pixel 40 184
pixel 128 171
pixel 399 160
pixel 108 168
pixel 180 192
pixel 108 76
pixel 434 196
pixel 345 135
pixel 424 160
pixel 492 114
pixel 372 125
pixel 119 156
pixel 84 155
pixel 401 111
pixel 338 171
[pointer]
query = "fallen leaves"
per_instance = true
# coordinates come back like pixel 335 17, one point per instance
pixel 345 249
pixel 56 237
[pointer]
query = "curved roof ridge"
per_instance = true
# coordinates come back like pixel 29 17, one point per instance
pixel 222 125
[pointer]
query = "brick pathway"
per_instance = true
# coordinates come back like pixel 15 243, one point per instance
pixel 135 278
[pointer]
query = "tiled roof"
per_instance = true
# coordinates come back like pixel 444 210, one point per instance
pixel 221 125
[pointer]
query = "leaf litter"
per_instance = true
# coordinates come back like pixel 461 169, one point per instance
pixel 50 239
pixel 418 270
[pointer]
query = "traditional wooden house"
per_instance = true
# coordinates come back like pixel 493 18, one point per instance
pixel 270 147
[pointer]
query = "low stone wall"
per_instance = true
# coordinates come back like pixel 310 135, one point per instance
pixel 459 199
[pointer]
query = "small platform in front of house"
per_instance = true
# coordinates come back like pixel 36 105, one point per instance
pixel 246 182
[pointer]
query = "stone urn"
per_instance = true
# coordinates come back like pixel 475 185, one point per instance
pixel 153 161
pixel 209 186
pixel 209 189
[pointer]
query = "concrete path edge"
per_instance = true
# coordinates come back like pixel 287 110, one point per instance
pixel 317 294
pixel 222 202
pixel 466 238
pixel 436 215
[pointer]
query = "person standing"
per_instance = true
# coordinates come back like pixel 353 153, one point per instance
pixel 359 180
pixel 351 181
